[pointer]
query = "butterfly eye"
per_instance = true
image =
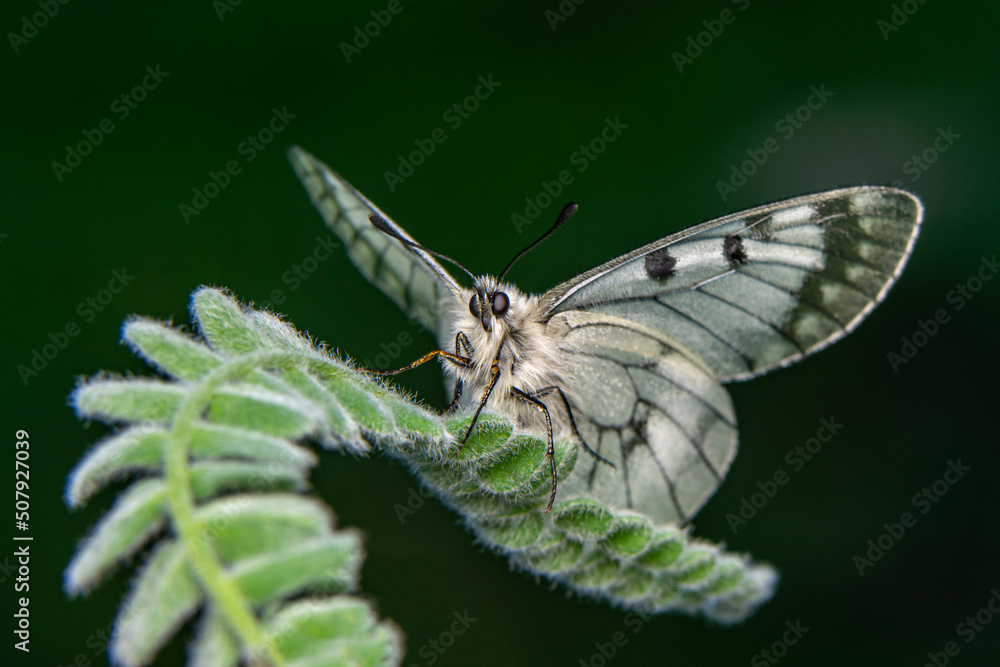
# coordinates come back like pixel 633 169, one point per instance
pixel 500 304
pixel 474 306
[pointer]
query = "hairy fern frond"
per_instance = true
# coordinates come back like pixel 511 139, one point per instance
pixel 219 494
pixel 218 491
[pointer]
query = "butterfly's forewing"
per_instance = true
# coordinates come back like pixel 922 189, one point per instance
pixel 410 277
pixel 762 288
pixel 649 406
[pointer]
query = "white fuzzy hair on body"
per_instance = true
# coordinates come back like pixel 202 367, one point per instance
pixel 529 359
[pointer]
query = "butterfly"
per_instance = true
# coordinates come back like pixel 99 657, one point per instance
pixel 630 357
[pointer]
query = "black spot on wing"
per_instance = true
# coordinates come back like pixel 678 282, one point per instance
pixel 732 249
pixel 659 264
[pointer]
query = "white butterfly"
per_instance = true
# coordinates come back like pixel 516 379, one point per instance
pixel 631 356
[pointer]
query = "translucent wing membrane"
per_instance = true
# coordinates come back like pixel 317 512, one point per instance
pixel 762 288
pixel 651 408
pixel 411 278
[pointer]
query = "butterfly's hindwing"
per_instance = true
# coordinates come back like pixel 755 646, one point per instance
pixel 649 406
pixel 414 280
pixel 762 288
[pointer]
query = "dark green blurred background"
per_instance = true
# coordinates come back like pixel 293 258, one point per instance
pixel 890 97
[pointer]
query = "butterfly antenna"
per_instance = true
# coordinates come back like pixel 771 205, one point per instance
pixel 563 218
pixel 384 227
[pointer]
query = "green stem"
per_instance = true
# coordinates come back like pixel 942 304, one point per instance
pixel 227 597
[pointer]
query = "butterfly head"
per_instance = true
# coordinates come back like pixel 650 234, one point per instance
pixel 490 303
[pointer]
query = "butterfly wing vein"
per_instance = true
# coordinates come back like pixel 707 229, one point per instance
pixel 652 408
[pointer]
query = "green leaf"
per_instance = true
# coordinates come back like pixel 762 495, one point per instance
pixel 666 547
pixel 128 400
pixel 210 478
pixel 139 448
pixel 563 557
pixel 255 408
pixel 415 421
pixel 218 441
pixel 239 526
pixel 169 350
pixel 340 631
pixel 164 596
pixel 135 517
pixel 695 565
pixel 728 575
pixel 629 535
pixel 330 562
pixel 364 407
pixel 633 586
pixel 278 333
pixel 214 645
pixel 223 323
pixel 601 572
pixel 488 438
pixel 338 418
pixel 540 485
pixel 514 533
pixel 583 518
pixel 515 467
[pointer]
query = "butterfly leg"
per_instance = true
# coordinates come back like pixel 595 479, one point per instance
pixel 461 341
pixel 458 359
pixel 494 376
pixel 458 394
pixel 572 422
pixel 551 452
